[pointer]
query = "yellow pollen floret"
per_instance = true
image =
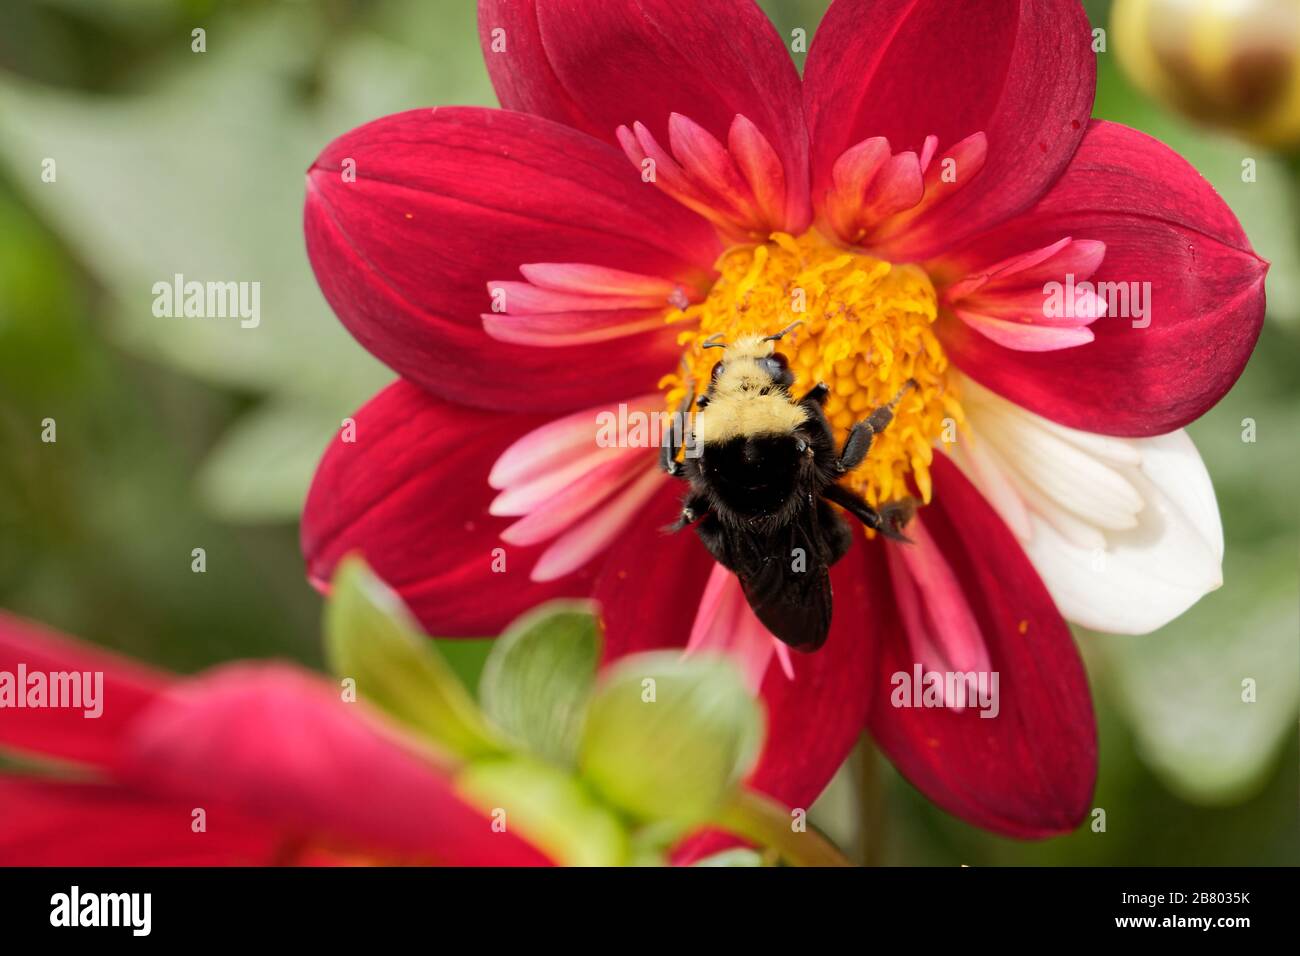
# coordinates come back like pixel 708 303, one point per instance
pixel 868 327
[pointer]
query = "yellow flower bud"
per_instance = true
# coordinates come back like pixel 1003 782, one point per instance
pixel 1230 63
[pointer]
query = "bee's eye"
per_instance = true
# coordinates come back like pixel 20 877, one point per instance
pixel 776 365
pixel 717 370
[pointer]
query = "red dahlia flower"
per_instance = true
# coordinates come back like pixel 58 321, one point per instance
pixel 933 201
pixel 284 772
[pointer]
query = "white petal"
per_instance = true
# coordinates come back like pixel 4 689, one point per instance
pixel 1173 463
pixel 974 459
pixel 1145 577
pixel 1126 580
pixel 1072 477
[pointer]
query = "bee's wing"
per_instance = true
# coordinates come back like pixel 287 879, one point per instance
pixel 798 612
pixel 790 588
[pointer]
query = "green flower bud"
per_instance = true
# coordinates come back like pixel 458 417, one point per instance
pixel 668 738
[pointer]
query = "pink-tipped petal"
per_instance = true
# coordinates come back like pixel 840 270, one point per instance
pixel 929 148
pixel 565 304
pixel 726 626
pixel 941 627
pixel 585 495
pixel 658 166
pixel 1022 72
pixel 761 166
pixel 897 187
pixel 857 167
pixel 706 160
pixel 851 174
pixel 1028 771
pixel 1170 243
pixel 585 279
pixel 1025 336
pixel 580 544
pixel 740 186
pixel 552 330
pixel 409 218
pixel 1029 270
pixel 524 298
pixel 956 169
pixel 1038 301
pixel 560 441
pixel 599 66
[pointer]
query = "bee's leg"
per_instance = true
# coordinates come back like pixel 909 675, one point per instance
pixel 894 518
pixel 817 395
pixel 856 447
pixel 889 520
pixel 858 444
pixel 677 426
pixel 694 508
pixel 817 431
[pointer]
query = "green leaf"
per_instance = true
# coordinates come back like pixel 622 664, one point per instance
pixel 667 737
pixel 372 638
pixel 549 808
pixel 1182 687
pixel 260 469
pixel 150 184
pixel 538 678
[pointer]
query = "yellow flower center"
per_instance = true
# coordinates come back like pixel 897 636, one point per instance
pixel 868 327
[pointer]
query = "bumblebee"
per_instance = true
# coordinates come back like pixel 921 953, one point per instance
pixel 764 470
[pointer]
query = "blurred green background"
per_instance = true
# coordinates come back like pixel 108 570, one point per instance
pixel 179 435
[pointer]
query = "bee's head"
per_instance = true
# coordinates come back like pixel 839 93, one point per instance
pixel 748 396
pixel 750 363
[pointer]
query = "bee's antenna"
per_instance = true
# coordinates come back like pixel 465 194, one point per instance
pixel 907 387
pixel 713 342
pixel 780 335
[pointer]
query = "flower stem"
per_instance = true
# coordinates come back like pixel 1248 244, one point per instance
pixel 872 806
pixel 764 821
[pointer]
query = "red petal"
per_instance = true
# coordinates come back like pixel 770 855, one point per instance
pixel 411 494
pixel 66 733
pixel 1029 771
pixel 53 823
pixel 1021 71
pixel 283 746
pixel 1163 224
pixel 444 202
pixel 650 584
pixel 598 66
